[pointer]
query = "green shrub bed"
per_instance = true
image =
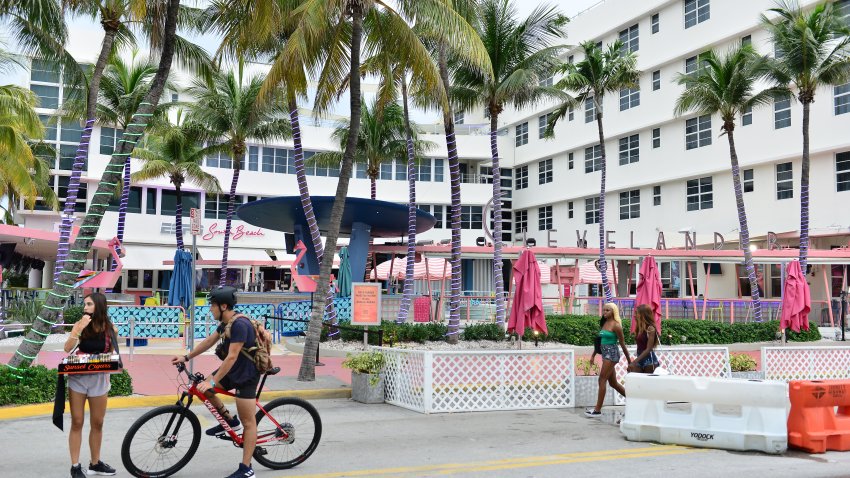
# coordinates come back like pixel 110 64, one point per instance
pixel 39 385
pixel 581 329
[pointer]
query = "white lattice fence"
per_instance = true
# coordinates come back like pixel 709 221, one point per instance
pixel 447 381
pixel 805 363
pixel 688 362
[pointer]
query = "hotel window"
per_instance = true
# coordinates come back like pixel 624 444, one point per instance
pixel 521 222
pixel 700 194
pixel 424 173
pixel 438 170
pixel 591 210
pixel 656 138
pixel 175 97
pixel 190 200
pixel 592 159
pixel 747 40
pixel 437 211
pixel 134 201
pixel 50 126
pixel 569 210
pixel 747 116
pixel 543 123
pixel 782 113
pixel 459 117
pixel 522 134
pixel 784 181
pixel 360 171
pixel 629 149
pixel 385 171
pixel 589 110
pixel 150 200
pixel 544 218
pixel 253 158
pixel 67 156
pixel 842 171
pixel 222 160
pixel 544 171
pixel 48 96
pixel 629 98
pixel 570 162
pixel 521 177
pixel 749 181
pixel 656 195
pixel 71 131
pixel 656 80
pixel 654 23
pixel 400 170
pixel 630 204
pixel 215 206
pixel 571 114
pixel 698 132
pixel 275 160
pixel 109 138
pixel 630 38
pixel 82 192
pixel 44 71
pixel 842 98
pixel 695 63
pixel 471 217
pixel 696 12
pixel 548 81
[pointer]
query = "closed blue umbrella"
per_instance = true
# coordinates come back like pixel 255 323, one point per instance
pixel 180 290
pixel 344 281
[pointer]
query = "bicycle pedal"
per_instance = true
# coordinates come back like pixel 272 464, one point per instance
pixel 224 436
pixel 260 451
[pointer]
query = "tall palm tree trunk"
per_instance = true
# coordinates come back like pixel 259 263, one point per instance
pixel 407 293
pixel 82 151
pixel 806 99
pixel 454 175
pixel 178 216
pixel 307 371
pixel 307 203
pixel 373 188
pixel 58 297
pixel 603 266
pixel 231 206
pixel 122 209
pixel 497 220
pixel 742 223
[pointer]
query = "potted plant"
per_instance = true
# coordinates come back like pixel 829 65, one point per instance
pixel 367 377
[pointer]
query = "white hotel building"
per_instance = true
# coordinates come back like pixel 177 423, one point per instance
pixel 665 173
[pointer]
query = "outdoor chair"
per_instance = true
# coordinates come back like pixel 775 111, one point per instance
pixel 717 309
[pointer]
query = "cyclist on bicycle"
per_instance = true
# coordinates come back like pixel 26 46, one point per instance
pixel 237 371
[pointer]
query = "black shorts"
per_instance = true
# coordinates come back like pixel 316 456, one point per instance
pixel 243 390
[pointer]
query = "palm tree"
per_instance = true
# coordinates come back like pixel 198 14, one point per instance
pixel 813 51
pixel 522 57
pixel 122 87
pixel 339 26
pixel 728 84
pixel 23 174
pixel 174 151
pixel 232 112
pixel 600 72
pixel 57 298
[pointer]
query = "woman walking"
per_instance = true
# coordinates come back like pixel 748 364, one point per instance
pixel 610 333
pixel 646 338
pixel 92 334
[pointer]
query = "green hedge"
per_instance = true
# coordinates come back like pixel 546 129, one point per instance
pixel 39 385
pixel 581 329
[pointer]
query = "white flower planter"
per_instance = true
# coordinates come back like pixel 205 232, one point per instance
pixel 587 389
pixel 362 389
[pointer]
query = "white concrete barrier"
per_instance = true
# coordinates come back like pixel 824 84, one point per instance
pixel 706 412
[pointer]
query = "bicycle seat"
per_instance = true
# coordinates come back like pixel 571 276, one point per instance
pixel 273 371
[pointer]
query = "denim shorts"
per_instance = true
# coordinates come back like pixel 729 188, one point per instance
pixel 650 359
pixel 611 352
pixel 90 384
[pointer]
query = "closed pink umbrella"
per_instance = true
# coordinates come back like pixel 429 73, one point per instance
pixel 796 299
pixel 527 307
pixel 649 290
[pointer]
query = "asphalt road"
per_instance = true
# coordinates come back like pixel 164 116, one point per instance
pixel 384 440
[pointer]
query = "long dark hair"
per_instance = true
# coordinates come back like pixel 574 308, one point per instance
pixel 99 318
pixel 644 317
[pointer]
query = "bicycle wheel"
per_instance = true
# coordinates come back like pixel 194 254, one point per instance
pixel 295 437
pixel 154 447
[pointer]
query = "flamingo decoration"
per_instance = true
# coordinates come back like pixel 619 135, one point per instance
pixel 305 283
pixel 103 279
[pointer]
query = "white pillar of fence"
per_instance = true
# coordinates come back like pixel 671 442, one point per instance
pixel 805 363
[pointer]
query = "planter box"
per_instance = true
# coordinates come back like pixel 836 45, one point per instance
pixel 587 388
pixel 362 389
pixel 753 375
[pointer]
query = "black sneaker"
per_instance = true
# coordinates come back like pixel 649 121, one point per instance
pixel 77 471
pixel 101 468
pixel 591 413
pixel 242 472
pixel 219 430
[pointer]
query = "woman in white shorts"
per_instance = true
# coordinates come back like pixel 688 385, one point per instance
pixel 93 334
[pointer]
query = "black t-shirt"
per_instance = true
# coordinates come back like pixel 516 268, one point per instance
pixel 243 369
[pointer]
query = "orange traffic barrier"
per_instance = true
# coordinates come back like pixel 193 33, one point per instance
pixel 814 424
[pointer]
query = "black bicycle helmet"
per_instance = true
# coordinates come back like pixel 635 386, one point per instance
pixel 223 295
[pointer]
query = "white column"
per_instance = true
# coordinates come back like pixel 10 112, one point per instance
pixel 35 279
pixel 47 279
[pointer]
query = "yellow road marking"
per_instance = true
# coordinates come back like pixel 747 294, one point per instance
pixel 513 463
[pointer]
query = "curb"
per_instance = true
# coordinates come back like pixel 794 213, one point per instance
pixel 115 403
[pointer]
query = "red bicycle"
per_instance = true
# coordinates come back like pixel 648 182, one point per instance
pixel 164 440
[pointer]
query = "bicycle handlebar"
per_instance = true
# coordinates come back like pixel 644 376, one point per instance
pixel 195 378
